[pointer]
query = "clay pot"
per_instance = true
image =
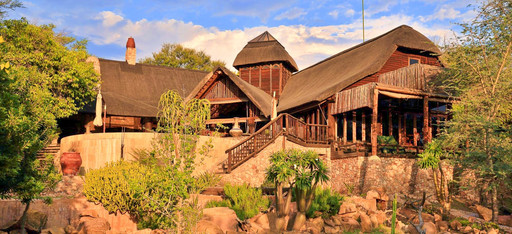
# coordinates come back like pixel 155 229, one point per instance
pixel 236 131
pixel 70 163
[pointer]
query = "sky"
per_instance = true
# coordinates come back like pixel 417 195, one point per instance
pixel 309 30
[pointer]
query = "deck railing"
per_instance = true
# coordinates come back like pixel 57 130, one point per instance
pixel 285 124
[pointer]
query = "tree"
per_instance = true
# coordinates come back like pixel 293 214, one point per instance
pixel 175 55
pixel 46 78
pixel 300 172
pixel 480 74
pixel 6 5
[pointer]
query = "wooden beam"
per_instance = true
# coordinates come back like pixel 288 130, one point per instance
pixel 354 126
pixel 232 120
pixel 227 100
pixel 415 129
pixel 363 127
pixel 344 128
pixel 426 120
pixel 374 120
pixel 390 123
pixel 395 89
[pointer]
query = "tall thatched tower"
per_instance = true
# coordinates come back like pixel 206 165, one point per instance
pixel 265 63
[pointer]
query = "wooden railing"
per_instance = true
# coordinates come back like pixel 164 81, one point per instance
pixel 285 124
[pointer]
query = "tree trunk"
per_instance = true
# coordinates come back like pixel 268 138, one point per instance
pixel 495 206
pixel 24 218
pixel 300 218
pixel 282 206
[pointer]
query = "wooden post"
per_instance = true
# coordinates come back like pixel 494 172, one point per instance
pixel 426 120
pixel 344 128
pixel 374 120
pixel 415 129
pixel 331 122
pixel 363 127
pixel 354 126
pixel 400 123
pixel 390 123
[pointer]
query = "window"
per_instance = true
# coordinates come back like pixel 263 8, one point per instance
pixel 413 61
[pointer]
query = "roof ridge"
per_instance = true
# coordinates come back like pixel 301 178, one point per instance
pixel 159 66
pixel 265 36
pixel 354 47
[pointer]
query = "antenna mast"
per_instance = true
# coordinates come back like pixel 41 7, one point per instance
pixel 363 18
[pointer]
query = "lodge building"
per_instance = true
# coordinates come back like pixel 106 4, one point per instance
pixel 372 99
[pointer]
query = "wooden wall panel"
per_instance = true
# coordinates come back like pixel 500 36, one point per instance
pixel 399 59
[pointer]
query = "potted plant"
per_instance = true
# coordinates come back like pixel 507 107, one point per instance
pixel 71 161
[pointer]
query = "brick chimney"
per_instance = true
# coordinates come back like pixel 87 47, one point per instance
pixel 131 52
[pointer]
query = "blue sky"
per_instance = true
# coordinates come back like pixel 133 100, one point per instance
pixel 310 30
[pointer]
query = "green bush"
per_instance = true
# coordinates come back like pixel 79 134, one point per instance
pixel 119 186
pixel 326 201
pixel 243 199
pixel 205 180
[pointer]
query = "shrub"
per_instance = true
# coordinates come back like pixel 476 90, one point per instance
pixel 326 201
pixel 243 199
pixel 205 180
pixel 119 186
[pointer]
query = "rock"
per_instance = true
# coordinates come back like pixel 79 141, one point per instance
pixel 314 225
pixel 456 225
pixel 442 225
pixel 329 222
pixel 484 212
pixel 350 225
pixel 375 222
pixel 366 204
pixel 255 228
pixel 437 218
pixel 54 230
pixel 93 225
pixel 381 217
pixel 262 221
pixel 89 213
pixel 347 207
pixel 205 226
pixel 505 220
pixel 372 194
pixel 493 231
pixel 426 218
pixel 337 219
pixel 318 223
pixel 70 230
pixel 143 231
pixel 471 219
pixel 366 223
pixel 430 228
pixel 329 229
pixel 224 217
pixel 467 229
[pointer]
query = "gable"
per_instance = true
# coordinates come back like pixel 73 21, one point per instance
pixel 223 89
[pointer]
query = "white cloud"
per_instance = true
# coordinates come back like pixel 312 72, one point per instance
pixel 350 13
pixel 307 45
pixel 334 14
pixel 293 13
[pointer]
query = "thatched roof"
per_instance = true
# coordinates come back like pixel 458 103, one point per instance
pixel 258 97
pixel 264 48
pixel 321 80
pixel 134 90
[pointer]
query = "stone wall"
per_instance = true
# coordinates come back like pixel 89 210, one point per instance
pixel 396 175
pixel 253 171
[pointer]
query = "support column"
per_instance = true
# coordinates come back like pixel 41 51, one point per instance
pixel 415 129
pixel 344 128
pixel 363 127
pixel 390 123
pixel 354 126
pixel 400 131
pixel 331 122
pixel 426 120
pixel 374 120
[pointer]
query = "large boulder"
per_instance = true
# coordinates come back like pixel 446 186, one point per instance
pixel 484 212
pixel 208 227
pixel 347 207
pixel 53 230
pixel 261 220
pixel 366 204
pixel 366 223
pixel 89 224
pixel 224 217
pixel 430 228
pixel 315 225
pixel 505 220
pixel 350 224
pixel 36 222
pixel 442 225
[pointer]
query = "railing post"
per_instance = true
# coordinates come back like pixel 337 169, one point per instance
pixel 229 161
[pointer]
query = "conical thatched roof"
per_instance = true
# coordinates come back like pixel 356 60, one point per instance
pixel 322 80
pixel 264 48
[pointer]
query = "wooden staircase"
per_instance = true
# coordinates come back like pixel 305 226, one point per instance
pixel 51 149
pixel 295 130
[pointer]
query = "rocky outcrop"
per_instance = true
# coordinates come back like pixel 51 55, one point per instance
pixel 484 212
pixel 224 217
pixel 90 223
